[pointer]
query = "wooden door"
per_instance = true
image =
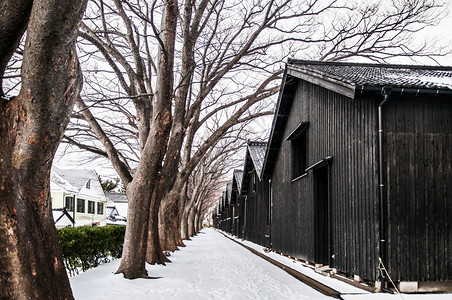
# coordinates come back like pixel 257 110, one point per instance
pixel 321 216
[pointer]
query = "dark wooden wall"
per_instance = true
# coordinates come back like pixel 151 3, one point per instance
pixel 418 178
pixel 256 226
pixel 241 216
pixel 345 129
pixel 418 144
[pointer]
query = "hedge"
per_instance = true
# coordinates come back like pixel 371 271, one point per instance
pixel 86 247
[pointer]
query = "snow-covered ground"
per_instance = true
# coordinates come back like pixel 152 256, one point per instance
pixel 210 267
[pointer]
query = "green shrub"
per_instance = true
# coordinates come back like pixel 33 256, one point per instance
pixel 86 247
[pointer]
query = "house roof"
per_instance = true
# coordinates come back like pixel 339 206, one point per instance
pixel 229 192
pixel 257 154
pixel 116 197
pixel 71 179
pixel 254 160
pixel 236 186
pixel 352 80
pixel 238 177
pixel 349 78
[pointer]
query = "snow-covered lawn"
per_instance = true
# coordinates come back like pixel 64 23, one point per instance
pixel 212 267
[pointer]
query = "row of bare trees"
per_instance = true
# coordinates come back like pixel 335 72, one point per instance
pixel 168 87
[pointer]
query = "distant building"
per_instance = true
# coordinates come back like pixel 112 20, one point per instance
pixel 80 193
pixel 254 199
pixel 117 204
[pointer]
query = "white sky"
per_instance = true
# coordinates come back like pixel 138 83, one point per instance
pixel 444 33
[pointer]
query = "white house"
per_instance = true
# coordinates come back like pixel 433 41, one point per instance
pixel 117 204
pixel 80 193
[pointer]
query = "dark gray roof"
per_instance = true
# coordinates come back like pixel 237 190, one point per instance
pixel 238 177
pixel 356 76
pixel 353 80
pixel 229 192
pixel 116 197
pixel 257 154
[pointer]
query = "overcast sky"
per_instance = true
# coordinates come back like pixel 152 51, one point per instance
pixel 444 32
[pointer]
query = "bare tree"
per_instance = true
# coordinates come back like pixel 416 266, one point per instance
pixel 31 126
pixel 210 174
pixel 383 30
pixel 208 66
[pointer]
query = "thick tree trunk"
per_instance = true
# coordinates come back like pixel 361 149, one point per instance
pixel 168 217
pixel 155 254
pixel 196 223
pixel 199 223
pixel 31 127
pixel 143 191
pixel 198 217
pixel 191 222
pixel 144 203
pixel 133 261
pixel 184 225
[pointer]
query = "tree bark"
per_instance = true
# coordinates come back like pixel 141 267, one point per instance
pixel 170 216
pixel 198 217
pixel 168 219
pixel 31 127
pixel 191 222
pixel 143 192
pixel 184 226
pixel 13 22
pixel 155 254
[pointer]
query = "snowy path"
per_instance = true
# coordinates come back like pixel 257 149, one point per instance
pixel 210 267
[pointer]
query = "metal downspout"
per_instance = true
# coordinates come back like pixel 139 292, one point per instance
pixel 244 217
pixel 385 91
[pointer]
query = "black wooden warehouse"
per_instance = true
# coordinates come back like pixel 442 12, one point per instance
pixel 344 195
pixel 237 215
pixel 254 196
pixel 358 167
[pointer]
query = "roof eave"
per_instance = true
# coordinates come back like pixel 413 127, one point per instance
pixel 341 87
pixel 398 90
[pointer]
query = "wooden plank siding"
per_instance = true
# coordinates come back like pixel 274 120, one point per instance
pixel 255 196
pixel 346 130
pixel 257 211
pixel 324 207
pixel 418 140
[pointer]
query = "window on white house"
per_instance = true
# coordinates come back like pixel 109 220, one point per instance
pixel 100 208
pixel 91 207
pixel 80 205
pixel 69 203
pixel 88 184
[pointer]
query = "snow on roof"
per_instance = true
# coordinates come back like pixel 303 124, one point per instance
pixel 71 179
pixel 378 75
pixel 238 176
pixel 56 178
pixel 257 153
pixel 229 192
pixel 110 222
pixel 116 197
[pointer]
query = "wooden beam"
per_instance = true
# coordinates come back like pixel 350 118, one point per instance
pixel 343 88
